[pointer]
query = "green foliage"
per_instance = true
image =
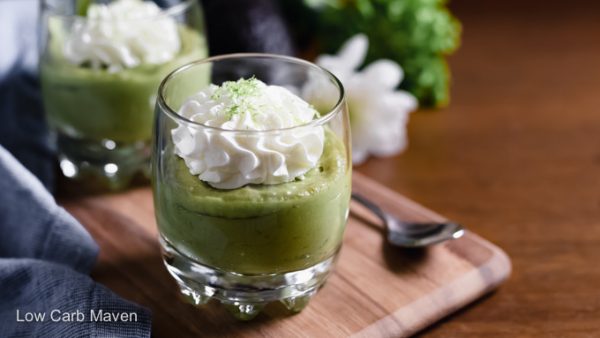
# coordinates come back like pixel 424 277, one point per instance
pixel 415 33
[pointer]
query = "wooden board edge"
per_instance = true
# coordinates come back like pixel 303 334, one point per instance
pixel 446 300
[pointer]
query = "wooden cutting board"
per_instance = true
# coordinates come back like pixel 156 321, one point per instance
pixel 376 290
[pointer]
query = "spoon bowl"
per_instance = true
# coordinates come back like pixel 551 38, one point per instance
pixel 412 234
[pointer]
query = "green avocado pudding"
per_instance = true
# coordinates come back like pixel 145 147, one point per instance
pixel 251 183
pixel 97 104
pixel 101 65
pixel 258 229
pixel 256 196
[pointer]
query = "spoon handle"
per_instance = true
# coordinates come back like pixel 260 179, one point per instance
pixel 432 228
pixel 374 208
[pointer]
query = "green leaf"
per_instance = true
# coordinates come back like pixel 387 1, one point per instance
pixel 417 34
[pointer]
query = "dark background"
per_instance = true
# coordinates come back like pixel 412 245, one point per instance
pixel 516 157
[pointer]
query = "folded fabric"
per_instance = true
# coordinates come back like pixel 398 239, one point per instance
pixel 45 256
pixel 33 226
pixel 43 299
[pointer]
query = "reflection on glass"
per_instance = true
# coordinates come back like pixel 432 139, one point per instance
pixel 251 179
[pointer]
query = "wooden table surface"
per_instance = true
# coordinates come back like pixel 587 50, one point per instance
pixel 516 157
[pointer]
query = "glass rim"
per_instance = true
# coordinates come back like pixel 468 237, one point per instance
pixel 170 11
pixel 321 120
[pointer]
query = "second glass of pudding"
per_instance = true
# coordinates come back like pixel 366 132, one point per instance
pixel 251 179
pixel 101 65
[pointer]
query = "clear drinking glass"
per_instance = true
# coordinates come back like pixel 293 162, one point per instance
pixel 100 75
pixel 260 243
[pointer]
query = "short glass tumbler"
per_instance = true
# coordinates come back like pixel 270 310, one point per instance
pixel 99 77
pixel 259 243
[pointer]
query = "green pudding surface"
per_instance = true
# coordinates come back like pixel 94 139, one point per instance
pixel 95 104
pixel 257 229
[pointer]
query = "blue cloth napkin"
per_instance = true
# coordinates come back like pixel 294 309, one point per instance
pixel 23 129
pixel 45 256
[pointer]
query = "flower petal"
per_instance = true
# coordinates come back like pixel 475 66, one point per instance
pixel 391 142
pixel 354 51
pixel 334 65
pixel 400 100
pixel 383 73
pixel 379 113
pixel 359 156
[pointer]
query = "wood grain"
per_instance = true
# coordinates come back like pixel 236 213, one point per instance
pixel 516 157
pixel 376 290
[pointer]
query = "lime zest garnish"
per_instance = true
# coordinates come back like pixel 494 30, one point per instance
pixel 243 97
pixel 239 92
pixel 237 89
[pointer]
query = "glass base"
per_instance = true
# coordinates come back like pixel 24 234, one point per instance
pixel 243 295
pixel 105 164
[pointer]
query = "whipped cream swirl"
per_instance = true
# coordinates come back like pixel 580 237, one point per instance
pixel 231 159
pixel 123 34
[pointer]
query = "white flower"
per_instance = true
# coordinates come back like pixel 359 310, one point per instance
pixel 378 112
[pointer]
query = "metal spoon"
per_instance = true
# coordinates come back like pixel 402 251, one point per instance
pixel 412 234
